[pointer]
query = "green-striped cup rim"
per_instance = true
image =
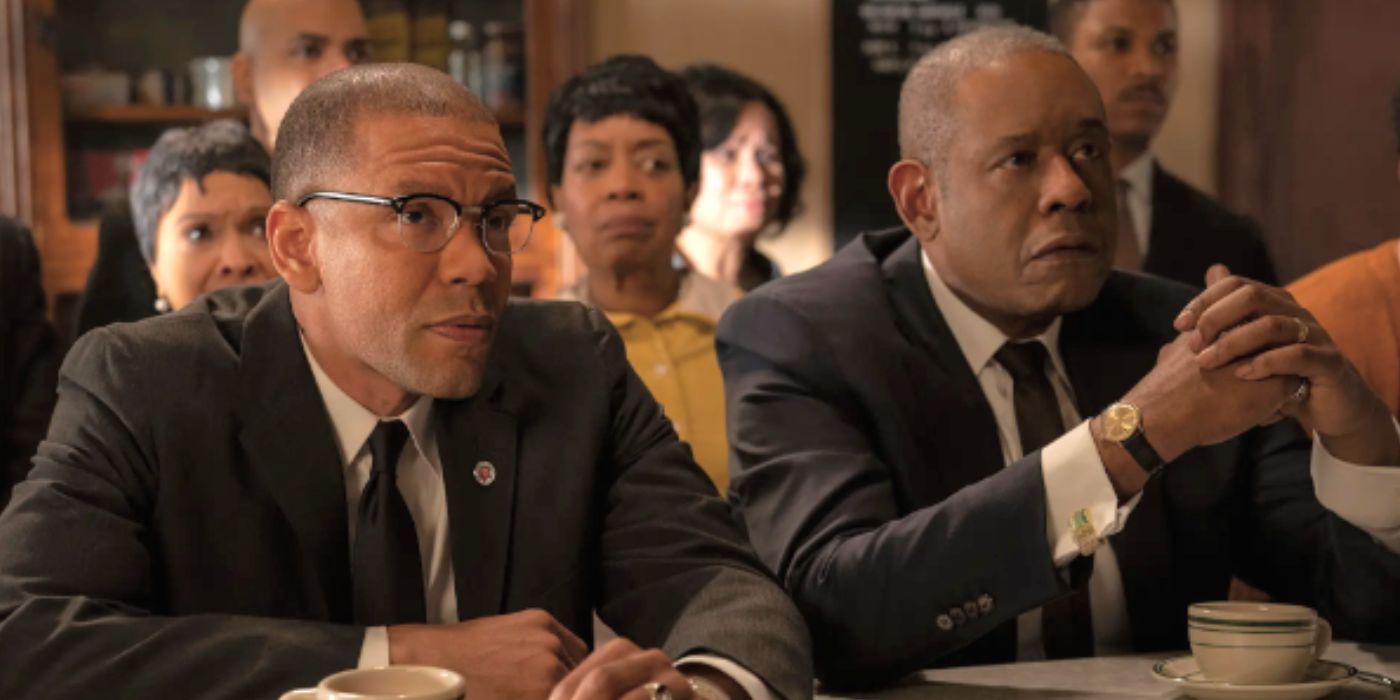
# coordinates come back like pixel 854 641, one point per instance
pixel 1218 622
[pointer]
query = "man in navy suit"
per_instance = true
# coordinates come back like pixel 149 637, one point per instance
pixel 1165 226
pixel 969 441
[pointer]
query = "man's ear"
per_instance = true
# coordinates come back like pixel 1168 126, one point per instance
pixel 916 197
pixel 291 241
pixel 243 78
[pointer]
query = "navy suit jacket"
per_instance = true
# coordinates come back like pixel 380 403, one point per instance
pixel 866 462
pixel 1190 232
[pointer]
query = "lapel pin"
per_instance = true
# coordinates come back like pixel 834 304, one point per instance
pixel 485 473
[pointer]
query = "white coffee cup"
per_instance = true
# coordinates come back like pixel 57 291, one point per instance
pixel 385 683
pixel 1255 643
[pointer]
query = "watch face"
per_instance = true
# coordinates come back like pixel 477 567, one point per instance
pixel 1120 421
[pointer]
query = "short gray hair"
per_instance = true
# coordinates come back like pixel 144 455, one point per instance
pixel 926 119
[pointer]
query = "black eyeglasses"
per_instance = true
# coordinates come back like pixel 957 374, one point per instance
pixel 426 221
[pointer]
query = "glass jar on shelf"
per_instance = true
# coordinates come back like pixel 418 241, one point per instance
pixel 430 38
pixel 502 58
pixel 389 30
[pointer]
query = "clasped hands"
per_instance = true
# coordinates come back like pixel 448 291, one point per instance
pixel 529 654
pixel 1248 355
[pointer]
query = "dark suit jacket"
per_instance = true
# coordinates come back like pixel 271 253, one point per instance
pixel 184 530
pixel 27 356
pixel 866 462
pixel 1190 232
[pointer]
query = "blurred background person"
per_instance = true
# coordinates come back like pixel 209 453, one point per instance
pixel 1165 226
pixel 199 204
pixel 283 46
pixel 27 360
pixel 750 175
pixel 1357 299
pixel 622 143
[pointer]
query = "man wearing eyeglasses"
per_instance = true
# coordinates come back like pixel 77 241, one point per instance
pixel 379 460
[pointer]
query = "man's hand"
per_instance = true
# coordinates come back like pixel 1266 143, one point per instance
pixel 621 670
pixel 521 655
pixel 1265 334
pixel 1185 405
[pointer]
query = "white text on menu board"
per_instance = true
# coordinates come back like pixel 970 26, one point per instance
pixel 898 32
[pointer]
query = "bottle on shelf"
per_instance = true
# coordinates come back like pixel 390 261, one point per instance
pixel 464 62
pixel 502 58
pixel 430 38
pixel 390 31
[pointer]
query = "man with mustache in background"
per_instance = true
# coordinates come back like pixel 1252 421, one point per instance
pixel 1166 227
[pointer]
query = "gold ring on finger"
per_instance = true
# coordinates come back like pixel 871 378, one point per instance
pixel 1302 330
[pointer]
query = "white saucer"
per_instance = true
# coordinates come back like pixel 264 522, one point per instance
pixel 1322 678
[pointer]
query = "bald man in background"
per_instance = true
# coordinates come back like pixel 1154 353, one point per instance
pixel 283 46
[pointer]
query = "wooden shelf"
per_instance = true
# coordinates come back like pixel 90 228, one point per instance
pixel 149 114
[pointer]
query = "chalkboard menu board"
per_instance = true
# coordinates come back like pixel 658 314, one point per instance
pixel 874 43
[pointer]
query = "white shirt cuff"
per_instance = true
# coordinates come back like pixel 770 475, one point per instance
pixel 375 651
pixel 1075 480
pixel 1363 496
pixel 751 684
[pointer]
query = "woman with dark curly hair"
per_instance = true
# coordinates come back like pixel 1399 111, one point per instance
pixel 750 176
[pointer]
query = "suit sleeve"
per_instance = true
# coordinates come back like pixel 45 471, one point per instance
pixel 79 610
pixel 677 571
pixel 27 385
pixel 871 574
pixel 1298 551
pixel 1260 265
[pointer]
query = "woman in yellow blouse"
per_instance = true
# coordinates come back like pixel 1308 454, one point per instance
pixel 622 143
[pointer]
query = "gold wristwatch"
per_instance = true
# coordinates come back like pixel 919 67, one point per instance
pixel 1122 423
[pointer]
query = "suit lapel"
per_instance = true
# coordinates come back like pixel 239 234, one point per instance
pixel 291 449
pixel 473 434
pixel 1165 232
pixel 948 414
pixel 1105 356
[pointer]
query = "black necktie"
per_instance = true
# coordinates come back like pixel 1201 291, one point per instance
pixel 388 574
pixel 1067 627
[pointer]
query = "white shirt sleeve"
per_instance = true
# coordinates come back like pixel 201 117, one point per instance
pixel 751 684
pixel 375 651
pixel 1075 480
pixel 1367 497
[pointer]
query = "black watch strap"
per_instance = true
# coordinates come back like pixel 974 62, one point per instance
pixel 1142 452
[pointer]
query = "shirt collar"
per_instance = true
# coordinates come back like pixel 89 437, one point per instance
pixel 700 300
pixel 353 423
pixel 1138 175
pixel 978 339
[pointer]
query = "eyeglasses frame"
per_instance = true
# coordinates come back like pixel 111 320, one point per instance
pixel 536 212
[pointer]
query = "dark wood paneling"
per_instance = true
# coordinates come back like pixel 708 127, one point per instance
pixel 1306 142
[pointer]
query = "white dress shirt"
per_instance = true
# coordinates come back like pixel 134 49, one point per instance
pixel 1075 477
pixel 419 479
pixel 1138 198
